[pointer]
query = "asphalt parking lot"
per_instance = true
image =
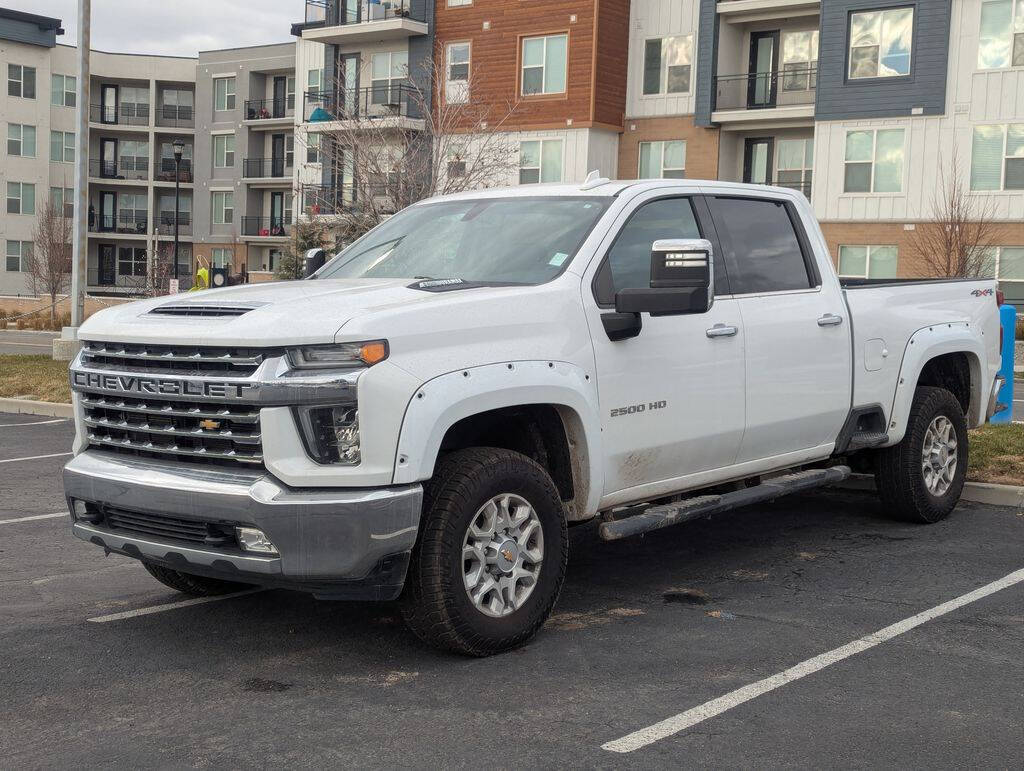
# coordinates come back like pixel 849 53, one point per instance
pixel 646 629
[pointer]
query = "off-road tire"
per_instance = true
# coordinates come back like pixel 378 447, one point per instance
pixel 434 603
pixel 186 583
pixel 898 473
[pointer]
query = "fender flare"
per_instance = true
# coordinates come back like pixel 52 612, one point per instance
pixel 440 403
pixel 924 345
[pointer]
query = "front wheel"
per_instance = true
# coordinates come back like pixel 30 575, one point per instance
pixel 492 553
pixel 921 478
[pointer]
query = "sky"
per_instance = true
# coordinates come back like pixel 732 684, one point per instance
pixel 172 27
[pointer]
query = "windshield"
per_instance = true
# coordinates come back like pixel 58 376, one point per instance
pixel 493 241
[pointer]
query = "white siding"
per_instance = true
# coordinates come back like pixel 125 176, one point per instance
pixel 651 19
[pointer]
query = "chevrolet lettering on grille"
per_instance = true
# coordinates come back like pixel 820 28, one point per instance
pixel 132 384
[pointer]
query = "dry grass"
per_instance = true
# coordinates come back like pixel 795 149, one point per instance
pixel 997 454
pixel 34 377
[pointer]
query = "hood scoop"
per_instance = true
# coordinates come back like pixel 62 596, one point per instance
pixel 204 310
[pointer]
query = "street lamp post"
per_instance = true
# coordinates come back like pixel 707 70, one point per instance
pixel 179 148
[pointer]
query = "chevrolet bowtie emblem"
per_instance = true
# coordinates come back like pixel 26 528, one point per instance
pixel 209 425
pixel 507 554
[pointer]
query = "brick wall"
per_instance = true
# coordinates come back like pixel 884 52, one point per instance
pixel 701 145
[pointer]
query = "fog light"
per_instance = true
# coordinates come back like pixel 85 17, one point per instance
pixel 331 433
pixel 251 539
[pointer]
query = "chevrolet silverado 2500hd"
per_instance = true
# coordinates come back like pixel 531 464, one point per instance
pixel 425 416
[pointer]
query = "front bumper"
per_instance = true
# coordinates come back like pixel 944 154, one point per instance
pixel 337 543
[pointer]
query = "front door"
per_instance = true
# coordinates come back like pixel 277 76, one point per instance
pixel 106 272
pixel 762 83
pixel 277 155
pixel 277 214
pixel 797 334
pixel 757 160
pixel 348 85
pixel 108 210
pixel 108 103
pixel 671 398
pixel 280 95
pixel 108 158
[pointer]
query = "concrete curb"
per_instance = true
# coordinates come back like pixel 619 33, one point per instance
pixel 42 409
pixel 975 492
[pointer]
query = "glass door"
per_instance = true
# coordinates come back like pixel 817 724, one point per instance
pixel 108 158
pixel 347 85
pixel 106 274
pixel 277 214
pixel 757 160
pixel 762 82
pixel 277 155
pixel 280 95
pixel 108 211
pixel 108 104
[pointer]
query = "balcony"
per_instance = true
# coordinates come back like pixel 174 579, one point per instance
pixel 780 98
pixel 363 21
pixel 395 103
pixel 164 171
pixel 125 222
pixel 127 168
pixel 327 200
pixel 269 112
pixel 175 116
pixel 128 114
pixel 165 223
pixel 266 227
pixel 266 168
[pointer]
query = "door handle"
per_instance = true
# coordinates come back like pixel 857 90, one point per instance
pixel 830 320
pixel 722 330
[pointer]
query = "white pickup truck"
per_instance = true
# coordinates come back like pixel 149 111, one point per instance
pixel 424 417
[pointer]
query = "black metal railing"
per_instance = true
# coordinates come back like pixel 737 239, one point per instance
pixel 791 87
pixel 165 223
pixel 330 13
pixel 122 222
pixel 327 200
pixel 267 109
pixel 266 227
pixel 128 114
pixel 123 168
pixel 176 116
pixel 385 100
pixel 257 168
pixel 164 172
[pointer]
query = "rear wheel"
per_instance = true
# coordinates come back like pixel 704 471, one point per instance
pixel 196 586
pixel 492 553
pixel 921 478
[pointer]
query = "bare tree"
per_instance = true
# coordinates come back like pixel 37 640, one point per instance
pixel 958 240
pixel 395 143
pixel 49 261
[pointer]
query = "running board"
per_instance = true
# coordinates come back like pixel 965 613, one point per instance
pixel 657 517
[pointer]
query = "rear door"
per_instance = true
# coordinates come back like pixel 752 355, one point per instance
pixel 798 349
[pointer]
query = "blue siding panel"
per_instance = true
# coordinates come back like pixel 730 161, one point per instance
pixel 21 31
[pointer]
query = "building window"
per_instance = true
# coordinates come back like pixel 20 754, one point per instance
pixel 62 90
pixel 997 157
pixel 1001 42
pixel 21 140
pixel 545 60
pixel 223 208
pixel 388 70
pixel 800 60
pixel 868 261
pixel 133 155
pixel 223 94
pixel 63 200
pixel 132 213
pixel 874 161
pixel 221 258
pixel 459 3
pixel 62 146
pixel 312 148
pixel 131 261
pixel 456 88
pixel 667 65
pixel 134 104
pixel 665 160
pixel 223 151
pixel 1004 262
pixel 178 103
pixel 540 160
pixel 21 81
pixel 21 198
pixel 795 164
pixel 290 92
pixel 167 211
pixel 18 255
pixel 315 80
pixel 880 43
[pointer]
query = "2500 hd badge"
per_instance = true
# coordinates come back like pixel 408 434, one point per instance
pixel 159 386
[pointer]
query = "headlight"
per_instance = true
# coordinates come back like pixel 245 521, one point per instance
pixel 339 356
pixel 331 433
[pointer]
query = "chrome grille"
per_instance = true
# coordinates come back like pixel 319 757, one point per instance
pixel 207 432
pixel 174 359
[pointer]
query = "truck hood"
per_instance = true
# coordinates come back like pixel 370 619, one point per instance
pixel 287 312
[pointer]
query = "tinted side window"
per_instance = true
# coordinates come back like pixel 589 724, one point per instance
pixel 628 263
pixel 762 250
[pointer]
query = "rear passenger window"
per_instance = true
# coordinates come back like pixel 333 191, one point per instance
pixel 762 250
pixel 628 264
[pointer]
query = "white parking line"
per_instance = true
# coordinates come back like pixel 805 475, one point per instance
pixel 170 606
pixel 708 710
pixel 33 519
pixel 27 345
pixel 37 423
pixel 36 457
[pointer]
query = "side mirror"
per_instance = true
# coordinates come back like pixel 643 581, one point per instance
pixel 315 259
pixel 682 280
